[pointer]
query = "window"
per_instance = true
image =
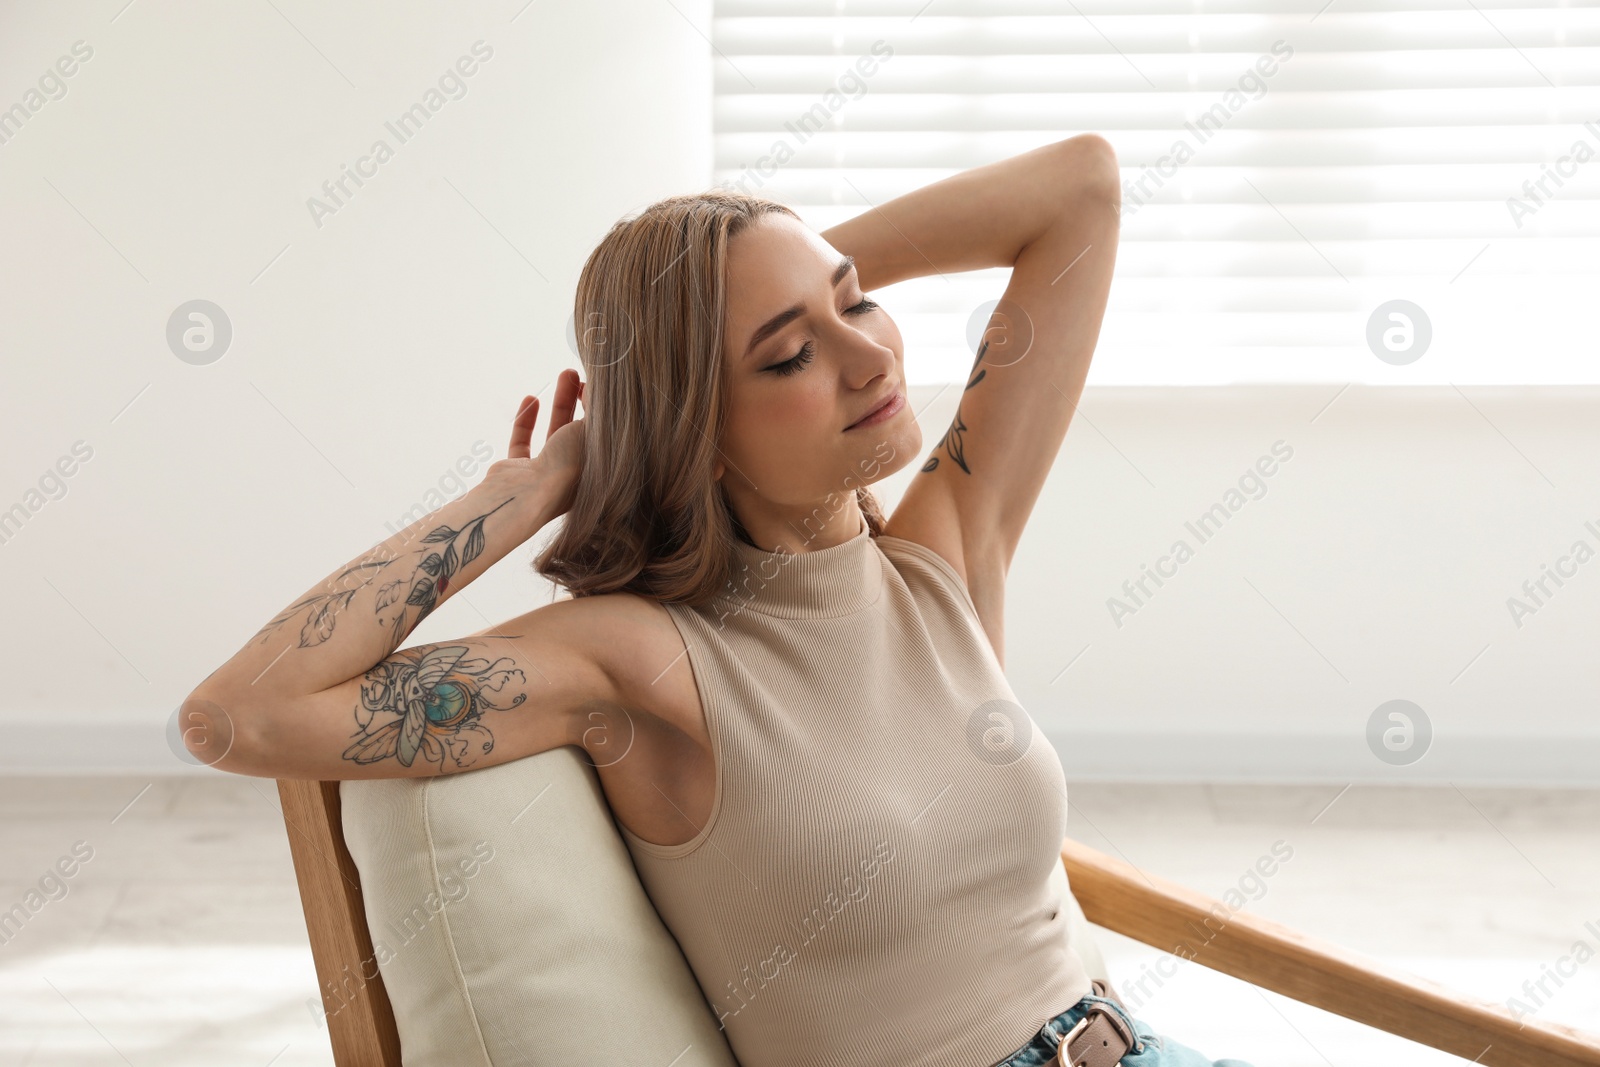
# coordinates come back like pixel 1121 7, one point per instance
pixel 1291 170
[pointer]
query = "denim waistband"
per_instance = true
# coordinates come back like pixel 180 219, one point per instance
pixel 1041 1050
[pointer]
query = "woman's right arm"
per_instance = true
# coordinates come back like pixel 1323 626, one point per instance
pixel 510 691
pixel 325 691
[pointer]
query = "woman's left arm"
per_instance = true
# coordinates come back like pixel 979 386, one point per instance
pixel 1052 215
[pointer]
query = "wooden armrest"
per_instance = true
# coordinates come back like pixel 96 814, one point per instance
pixel 1120 897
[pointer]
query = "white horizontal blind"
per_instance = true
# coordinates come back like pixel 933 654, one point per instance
pixel 1446 154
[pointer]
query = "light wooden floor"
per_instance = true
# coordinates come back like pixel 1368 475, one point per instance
pixel 181 941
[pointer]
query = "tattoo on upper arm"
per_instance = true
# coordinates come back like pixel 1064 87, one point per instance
pixel 430 701
pixel 428 581
pixel 954 444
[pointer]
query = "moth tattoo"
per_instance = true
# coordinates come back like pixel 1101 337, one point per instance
pixel 429 702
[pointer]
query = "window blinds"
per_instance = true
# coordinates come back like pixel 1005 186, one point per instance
pixel 1313 191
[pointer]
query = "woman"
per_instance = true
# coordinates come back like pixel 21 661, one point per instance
pixel 795 706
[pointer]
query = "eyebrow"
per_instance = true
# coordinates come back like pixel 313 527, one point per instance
pixel 788 315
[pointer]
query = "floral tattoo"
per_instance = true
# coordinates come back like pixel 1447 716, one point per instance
pixel 954 444
pixel 427 585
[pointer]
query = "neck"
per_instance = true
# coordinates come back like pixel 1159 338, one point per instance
pixel 804 529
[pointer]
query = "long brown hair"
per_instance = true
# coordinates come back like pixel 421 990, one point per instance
pixel 647 515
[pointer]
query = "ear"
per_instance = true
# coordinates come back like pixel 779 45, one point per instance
pixel 716 475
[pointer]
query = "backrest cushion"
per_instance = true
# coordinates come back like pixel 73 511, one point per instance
pixel 510 926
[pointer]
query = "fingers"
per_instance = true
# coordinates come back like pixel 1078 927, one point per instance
pixel 568 389
pixel 522 428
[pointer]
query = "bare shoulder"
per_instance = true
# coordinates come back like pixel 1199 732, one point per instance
pixel 631 647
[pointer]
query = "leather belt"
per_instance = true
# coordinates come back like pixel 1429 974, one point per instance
pixel 1101 1038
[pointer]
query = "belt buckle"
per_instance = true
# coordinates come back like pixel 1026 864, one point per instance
pixel 1094 1044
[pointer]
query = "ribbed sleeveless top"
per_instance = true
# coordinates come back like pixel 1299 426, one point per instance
pixel 873 885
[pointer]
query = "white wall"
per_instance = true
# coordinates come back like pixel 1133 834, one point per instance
pixel 374 352
pixel 1376 564
pixel 369 354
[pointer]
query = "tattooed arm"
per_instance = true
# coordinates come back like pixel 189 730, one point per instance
pixel 1052 216
pixel 503 693
pixel 363 611
pixel 321 688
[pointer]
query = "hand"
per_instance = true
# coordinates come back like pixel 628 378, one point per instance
pixel 561 459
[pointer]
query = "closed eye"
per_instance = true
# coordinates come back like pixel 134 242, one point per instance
pixel 808 351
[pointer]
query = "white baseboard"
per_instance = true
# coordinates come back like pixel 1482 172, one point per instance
pixel 1500 760
pixel 101 748
pixel 94 747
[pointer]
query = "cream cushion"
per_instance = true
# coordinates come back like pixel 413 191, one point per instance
pixel 510 926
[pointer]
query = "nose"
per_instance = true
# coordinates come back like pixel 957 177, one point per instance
pixel 864 358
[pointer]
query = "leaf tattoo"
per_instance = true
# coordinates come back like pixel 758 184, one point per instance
pixel 389 593
pixel 325 607
pixel 954 444
pixel 424 592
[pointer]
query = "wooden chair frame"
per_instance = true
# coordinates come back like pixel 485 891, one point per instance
pixel 1114 895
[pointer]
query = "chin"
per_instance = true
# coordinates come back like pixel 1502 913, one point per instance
pixel 891 451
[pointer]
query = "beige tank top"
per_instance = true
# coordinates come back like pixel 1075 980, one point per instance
pixel 873 884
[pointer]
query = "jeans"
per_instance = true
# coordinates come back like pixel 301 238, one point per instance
pixel 1150 1049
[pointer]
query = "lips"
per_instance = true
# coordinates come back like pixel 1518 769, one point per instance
pixel 892 399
